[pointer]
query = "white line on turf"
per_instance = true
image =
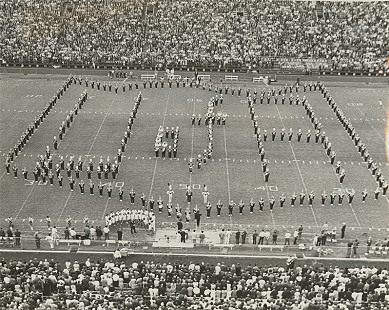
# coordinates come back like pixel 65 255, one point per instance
pixel 156 159
pixel 105 208
pixel 226 160
pixel 12 120
pixel 25 201
pixel 102 123
pixel 192 143
pixel 378 134
pixel 66 203
pixel 298 168
pixel 343 189
pixel 3 175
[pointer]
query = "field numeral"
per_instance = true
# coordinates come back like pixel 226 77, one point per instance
pixel 118 184
pixel 270 188
pixel 185 186
pixel 347 190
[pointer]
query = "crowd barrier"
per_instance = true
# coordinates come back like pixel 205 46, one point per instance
pixel 195 246
pixel 147 77
pixel 231 78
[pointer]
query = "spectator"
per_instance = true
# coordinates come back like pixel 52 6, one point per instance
pixel 343 230
pixel 237 237
pixel 51 241
pixel 120 233
pixel 295 236
pixel 117 255
pixel 2 235
pixel 99 232
pixel 73 233
pixel 275 236
pixel 10 235
pixel 17 238
pixel 222 236
pixel 255 236
pixel 67 233
pixel 202 237
pixel 92 231
pixel 106 232
pixel 300 230
pixel 244 235
pixel 287 238
pixel 37 240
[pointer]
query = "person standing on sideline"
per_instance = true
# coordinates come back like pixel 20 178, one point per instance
pixel 343 230
pixel 37 240
pixel 295 236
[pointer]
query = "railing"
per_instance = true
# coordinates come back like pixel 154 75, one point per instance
pixel 301 65
pixel 195 247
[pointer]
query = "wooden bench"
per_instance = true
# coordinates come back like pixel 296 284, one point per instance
pixel 147 76
pixel 221 245
pixel 124 242
pixel 174 77
pixel 70 241
pixel 231 77
pixel 204 77
pixel 175 245
pixel 108 242
pixel 271 247
pixel 260 79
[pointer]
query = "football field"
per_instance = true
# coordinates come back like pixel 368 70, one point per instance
pixel 233 173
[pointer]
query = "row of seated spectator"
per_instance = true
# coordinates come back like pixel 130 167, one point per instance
pixel 137 285
pixel 171 33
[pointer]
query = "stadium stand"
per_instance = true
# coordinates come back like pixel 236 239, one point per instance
pixel 279 34
pixel 113 284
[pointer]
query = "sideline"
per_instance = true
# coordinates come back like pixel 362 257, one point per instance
pixel 198 255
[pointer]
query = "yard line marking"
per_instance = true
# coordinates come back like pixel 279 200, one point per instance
pixel 228 174
pixel 3 174
pixel 12 120
pixel 192 142
pixel 298 168
pixel 66 203
pixel 343 189
pixel 25 201
pixel 105 208
pixel 378 134
pixel 156 159
pixel 101 125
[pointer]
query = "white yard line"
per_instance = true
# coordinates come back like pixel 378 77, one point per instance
pixel 98 131
pixel 25 201
pixel 156 159
pixel 3 175
pixel 367 120
pixel 343 189
pixel 193 130
pixel 105 209
pixel 378 134
pixel 226 159
pixel 66 203
pixel 298 166
pixel 12 120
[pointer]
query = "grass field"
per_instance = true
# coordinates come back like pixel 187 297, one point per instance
pixel 235 171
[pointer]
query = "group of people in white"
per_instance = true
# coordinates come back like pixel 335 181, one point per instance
pixel 142 217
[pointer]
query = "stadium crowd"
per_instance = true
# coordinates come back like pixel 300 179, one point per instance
pixel 171 33
pixel 139 285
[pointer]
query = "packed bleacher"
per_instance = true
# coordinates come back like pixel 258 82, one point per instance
pixel 137 285
pixel 253 34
